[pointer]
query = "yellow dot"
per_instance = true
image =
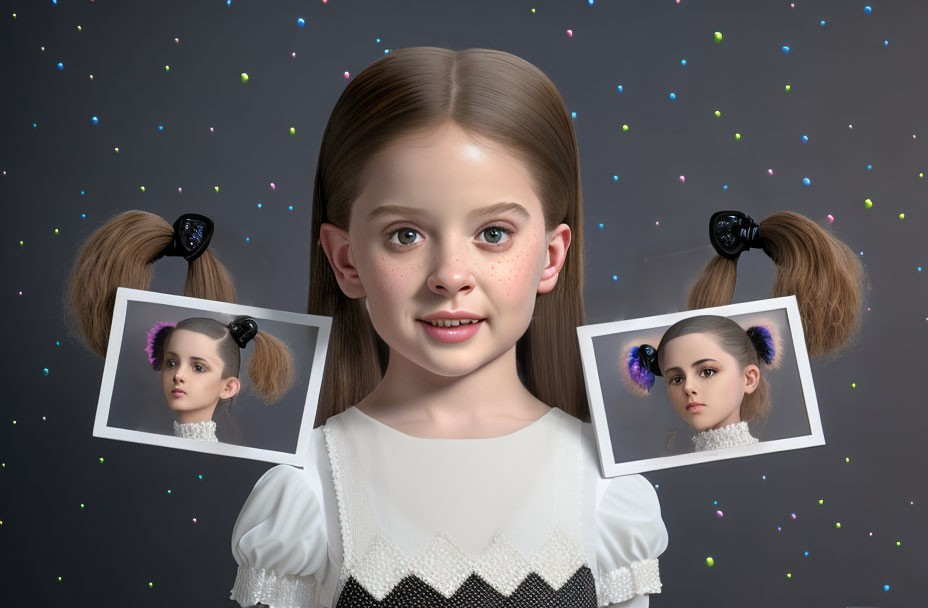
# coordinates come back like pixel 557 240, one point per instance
pixel 56 231
pixel 787 88
pixel 59 579
pixel 821 501
pixel 625 128
pixel 902 216
pixel 80 29
pixel 898 543
pixel 868 203
pixel 789 575
pixel 167 68
pixel 718 114
pixel 292 130
pixel 853 385
pixel 216 188
pixel 737 136
pixel 921 176
pixel 150 584
pixel 142 188
pixel 710 562
pixel 116 150
pixel 21 243
pixel 533 12
pixel 847 459
pixel 838 525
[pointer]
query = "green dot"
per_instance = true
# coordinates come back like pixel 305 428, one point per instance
pixel 167 68
pixel 101 460
pixel 789 575
pixel 244 78
pixel 142 188
pixel 717 36
pixel 151 584
pixel 898 543
pixel 737 136
pixel 292 130
pixel 216 189
pixel 625 128
pixel 82 505
pixel 847 459
pixel 902 216
pixel 788 88
pixel 868 204
pixel 821 501
pixel 838 525
pixel 718 114
pixel 853 385
pixel 710 562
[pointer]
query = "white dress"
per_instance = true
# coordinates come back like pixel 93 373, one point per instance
pixel 381 518
pixel 730 436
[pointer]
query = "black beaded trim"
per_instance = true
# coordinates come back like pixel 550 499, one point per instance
pixel 578 592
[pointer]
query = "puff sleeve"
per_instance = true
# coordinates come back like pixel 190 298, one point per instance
pixel 631 537
pixel 279 541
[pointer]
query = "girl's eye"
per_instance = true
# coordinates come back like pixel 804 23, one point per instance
pixel 675 380
pixel 708 373
pixel 199 368
pixel 405 236
pixel 170 363
pixel 495 235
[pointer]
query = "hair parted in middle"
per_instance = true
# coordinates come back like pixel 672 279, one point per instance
pixel 823 273
pixel 491 94
pixel 270 368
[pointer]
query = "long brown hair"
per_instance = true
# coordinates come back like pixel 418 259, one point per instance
pixel 120 253
pixel 823 273
pixel 491 94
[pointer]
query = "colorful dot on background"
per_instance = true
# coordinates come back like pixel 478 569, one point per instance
pixel 806 181
pixel 710 562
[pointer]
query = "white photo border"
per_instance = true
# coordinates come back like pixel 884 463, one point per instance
pixel 125 295
pixel 604 440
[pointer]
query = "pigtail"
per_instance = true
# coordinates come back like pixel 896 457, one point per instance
pixel 271 367
pixel 821 271
pixel 639 368
pixel 766 341
pixel 120 254
pixel 155 339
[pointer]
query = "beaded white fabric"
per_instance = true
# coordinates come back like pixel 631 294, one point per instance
pixel 730 436
pixel 625 583
pixel 253 586
pixel 199 431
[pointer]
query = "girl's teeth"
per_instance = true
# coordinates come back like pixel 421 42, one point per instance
pixel 452 322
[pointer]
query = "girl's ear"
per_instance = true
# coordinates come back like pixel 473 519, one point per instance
pixel 337 249
pixel 751 379
pixel 230 388
pixel 558 243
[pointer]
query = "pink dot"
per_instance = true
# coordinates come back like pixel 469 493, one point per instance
pixel 830 218
pixel 293 55
pixel 719 514
pixel 180 190
pixel 212 130
pixel 273 186
pixel 570 33
pixel 347 75
pixel 792 515
pixel 682 179
pixel 769 171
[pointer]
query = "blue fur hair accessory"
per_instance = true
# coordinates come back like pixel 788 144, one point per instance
pixel 641 368
pixel 764 343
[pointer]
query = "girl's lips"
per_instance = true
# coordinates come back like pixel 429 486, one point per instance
pixel 177 392
pixel 457 333
pixel 693 407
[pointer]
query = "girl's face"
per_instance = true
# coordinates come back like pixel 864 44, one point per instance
pixel 448 244
pixel 705 384
pixel 191 376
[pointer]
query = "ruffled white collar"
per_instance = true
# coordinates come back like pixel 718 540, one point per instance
pixel 200 431
pixel 729 436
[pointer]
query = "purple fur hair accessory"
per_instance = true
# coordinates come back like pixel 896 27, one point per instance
pixel 638 372
pixel 764 342
pixel 154 341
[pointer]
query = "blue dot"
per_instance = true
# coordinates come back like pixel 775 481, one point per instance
pixel 83 216
pixel 805 138
pixel 590 2
pixel 822 23
pixel 673 96
pixel 45 371
pixel 919 268
pixel 725 187
pixel 573 114
pixel 247 239
pixel 786 50
pixel 886 43
pixel 228 2
pixel 601 225
pixel 378 41
pixel 289 207
pixel 260 205
pixel 885 587
pixel 868 9
pixel 60 66
pixel 160 127
pixel 386 51
pixel 57 342
pixel 35 125
pixel 615 178
pixel 806 553
pixel 94 120
pixel 683 62
pixel 715 503
pixel 82 193
pixel 619 88
pixel 301 22
pixel 763 477
pixel 806 181
pixel 615 277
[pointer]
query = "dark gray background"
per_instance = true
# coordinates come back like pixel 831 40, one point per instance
pixel 647 427
pixel 134 541
pixel 138 401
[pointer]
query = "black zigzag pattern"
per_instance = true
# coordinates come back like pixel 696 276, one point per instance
pixel 578 592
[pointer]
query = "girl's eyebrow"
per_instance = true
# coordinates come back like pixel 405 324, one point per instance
pixel 494 209
pixel 194 358
pixel 693 364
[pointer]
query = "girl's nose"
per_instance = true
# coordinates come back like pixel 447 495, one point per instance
pixel 451 274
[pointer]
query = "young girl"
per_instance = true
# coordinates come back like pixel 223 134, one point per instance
pixel 714 381
pixel 199 360
pixel 447 195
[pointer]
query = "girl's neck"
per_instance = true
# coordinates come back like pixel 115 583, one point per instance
pixel 488 402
